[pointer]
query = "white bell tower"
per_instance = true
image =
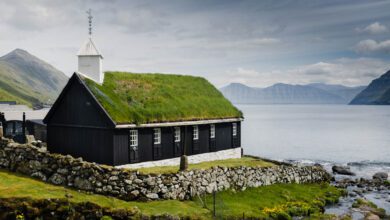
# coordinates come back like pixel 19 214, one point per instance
pixel 89 57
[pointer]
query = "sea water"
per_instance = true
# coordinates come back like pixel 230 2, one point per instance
pixel 354 135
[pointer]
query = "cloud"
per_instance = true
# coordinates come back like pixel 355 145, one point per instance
pixel 345 71
pixel 374 28
pixel 142 19
pixel 372 46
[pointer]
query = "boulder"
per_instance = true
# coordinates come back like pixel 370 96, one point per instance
pixel 380 176
pixel 343 170
pixel 152 195
pixel 57 179
pixel 83 184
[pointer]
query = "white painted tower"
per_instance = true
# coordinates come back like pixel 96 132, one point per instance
pixel 89 57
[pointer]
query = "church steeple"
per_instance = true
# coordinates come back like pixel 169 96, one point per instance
pixel 89 57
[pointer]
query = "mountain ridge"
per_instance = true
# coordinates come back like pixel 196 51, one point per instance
pixel 376 93
pixel 282 93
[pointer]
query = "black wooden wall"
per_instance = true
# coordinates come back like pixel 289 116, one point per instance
pixel 223 140
pixel 78 126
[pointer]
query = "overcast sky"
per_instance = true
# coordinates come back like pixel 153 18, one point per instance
pixel 258 43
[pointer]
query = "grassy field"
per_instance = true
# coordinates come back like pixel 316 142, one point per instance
pixel 244 161
pixel 12 185
pixel 275 200
pixel 141 98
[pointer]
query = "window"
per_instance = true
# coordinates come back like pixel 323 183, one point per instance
pixel 196 133
pixel 234 129
pixel 157 136
pixel 177 134
pixel 212 131
pixel 133 138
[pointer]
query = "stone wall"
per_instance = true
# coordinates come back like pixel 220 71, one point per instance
pixel 131 185
pixel 198 158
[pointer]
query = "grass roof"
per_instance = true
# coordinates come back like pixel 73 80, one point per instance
pixel 149 98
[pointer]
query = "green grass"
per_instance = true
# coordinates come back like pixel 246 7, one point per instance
pixel 147 98
pixel 244 161
pixel 274 200
pixel 12 185
pixel 6 96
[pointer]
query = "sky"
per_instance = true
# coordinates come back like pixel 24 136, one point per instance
pixel 255 42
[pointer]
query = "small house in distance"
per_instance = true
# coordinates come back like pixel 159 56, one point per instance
pixel 134 118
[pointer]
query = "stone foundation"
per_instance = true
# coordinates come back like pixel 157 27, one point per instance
pixel 131 185
pixel 199 158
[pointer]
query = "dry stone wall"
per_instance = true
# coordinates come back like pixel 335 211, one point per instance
pixel 131 185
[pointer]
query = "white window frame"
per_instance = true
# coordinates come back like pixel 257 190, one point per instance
pixel 133 138
pixel 177 134
pixel 234 129
pixel 157 136
pixel 195 134
pixel 212 131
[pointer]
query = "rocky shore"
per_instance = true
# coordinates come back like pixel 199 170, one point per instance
pixel 365 198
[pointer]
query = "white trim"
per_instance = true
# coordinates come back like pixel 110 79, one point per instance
pixel 180 123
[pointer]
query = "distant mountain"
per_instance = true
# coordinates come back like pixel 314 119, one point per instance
pixel 376 93
pixel 345 92
pixel 28 80
pixel 290 94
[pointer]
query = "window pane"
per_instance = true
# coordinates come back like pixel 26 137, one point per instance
pixel 212 131
pixel 177 134
pixel 133 138
pixel 234 129
pixel 157 136
pixel 196 133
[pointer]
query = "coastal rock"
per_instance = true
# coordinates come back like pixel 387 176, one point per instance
pixel 371 216
pixel 343 170
pixel 380 176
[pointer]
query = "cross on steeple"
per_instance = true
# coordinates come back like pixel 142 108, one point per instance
pixel 89 12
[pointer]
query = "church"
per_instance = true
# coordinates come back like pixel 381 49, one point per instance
pixel 118 118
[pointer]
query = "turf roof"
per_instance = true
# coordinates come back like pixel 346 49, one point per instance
pixel 150 98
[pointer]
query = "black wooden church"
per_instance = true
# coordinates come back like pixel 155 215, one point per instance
pixel 120 118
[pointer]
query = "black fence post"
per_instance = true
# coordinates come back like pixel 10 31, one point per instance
pixel 24 128
pixel 214 195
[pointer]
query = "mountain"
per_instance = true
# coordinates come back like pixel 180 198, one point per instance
pixel 28 80
pixel 345 92
pixel 290 94
pixel 376 93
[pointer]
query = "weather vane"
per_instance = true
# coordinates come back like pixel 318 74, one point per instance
pixel 89 12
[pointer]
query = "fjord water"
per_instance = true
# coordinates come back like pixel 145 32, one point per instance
pixel 356 135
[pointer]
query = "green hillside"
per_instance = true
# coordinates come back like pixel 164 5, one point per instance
pixel 148 98
pixel 376 93
pixel 28 80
